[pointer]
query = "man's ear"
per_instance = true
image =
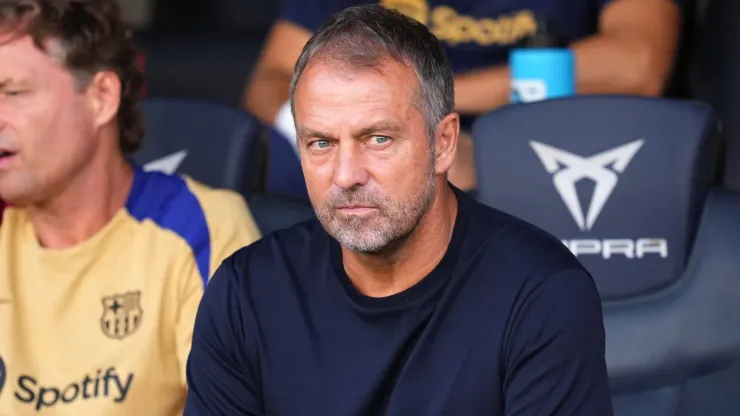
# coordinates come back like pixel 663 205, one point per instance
pixel 445 144
pixel 104 97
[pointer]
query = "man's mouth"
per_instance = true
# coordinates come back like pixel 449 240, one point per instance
pixel 6 155
pixel 356 209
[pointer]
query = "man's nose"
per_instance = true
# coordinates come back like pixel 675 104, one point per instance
pixel 351 169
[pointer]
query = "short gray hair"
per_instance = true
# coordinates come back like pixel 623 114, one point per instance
pixel 363 36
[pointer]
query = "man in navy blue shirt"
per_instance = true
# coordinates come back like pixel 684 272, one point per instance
pixel 621 47
pixel 406 297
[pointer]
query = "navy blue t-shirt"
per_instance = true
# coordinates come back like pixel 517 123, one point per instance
pixel 474 33
pixel 509 323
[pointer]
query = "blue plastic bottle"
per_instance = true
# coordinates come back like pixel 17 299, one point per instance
pixel 541 68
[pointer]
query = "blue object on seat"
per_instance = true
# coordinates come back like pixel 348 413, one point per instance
pixel 625 182
pixel 212 143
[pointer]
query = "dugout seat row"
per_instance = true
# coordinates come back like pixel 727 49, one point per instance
pixel 625 182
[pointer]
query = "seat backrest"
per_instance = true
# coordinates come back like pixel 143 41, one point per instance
pixel 624 182
pixel 212 143
pixel 715 75
pixel 620 179
pixel 274 212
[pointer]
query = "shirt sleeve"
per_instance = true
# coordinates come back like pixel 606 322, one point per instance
pixel 311 14
pixel 555 361
pixel 221 378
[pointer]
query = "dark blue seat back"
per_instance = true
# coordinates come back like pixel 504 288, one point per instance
pixel 212 143
pixel 273 212
pixel 620 179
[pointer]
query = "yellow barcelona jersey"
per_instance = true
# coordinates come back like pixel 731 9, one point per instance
pixel 104 328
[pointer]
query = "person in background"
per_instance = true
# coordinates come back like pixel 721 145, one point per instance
pixel 405 296
pixel 621 47
pixel 102 265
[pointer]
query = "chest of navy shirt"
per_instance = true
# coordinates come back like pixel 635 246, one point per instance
pixel 508 323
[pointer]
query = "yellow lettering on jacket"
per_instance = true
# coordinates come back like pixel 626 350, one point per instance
pixel 453 28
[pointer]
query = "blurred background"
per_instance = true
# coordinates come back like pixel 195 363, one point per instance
pixel 200 48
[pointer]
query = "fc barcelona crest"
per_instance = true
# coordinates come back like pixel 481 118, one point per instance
pixel 121 314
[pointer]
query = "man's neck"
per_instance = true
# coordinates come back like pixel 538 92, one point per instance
pixel 85 206
pixel 381 275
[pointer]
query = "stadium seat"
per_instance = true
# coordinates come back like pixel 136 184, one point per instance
pixel 625 183
pixel 272 212
pixel 210 142
pixel 715 75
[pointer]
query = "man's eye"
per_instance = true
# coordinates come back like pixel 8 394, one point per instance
pixel 320 144
pixel 380 140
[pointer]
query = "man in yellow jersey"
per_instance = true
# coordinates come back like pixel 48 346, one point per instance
pixel 102 265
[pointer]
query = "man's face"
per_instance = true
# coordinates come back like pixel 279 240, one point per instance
pixel 364 150
pixel 46 126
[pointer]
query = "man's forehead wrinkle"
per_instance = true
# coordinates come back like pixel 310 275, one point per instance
pixel 373 95
pixel 386 95
pixel 343 63
pixel 32 63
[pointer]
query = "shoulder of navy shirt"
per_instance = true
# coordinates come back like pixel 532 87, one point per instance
pixel 168 202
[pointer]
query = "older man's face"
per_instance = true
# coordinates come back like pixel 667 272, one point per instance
pixel 364 151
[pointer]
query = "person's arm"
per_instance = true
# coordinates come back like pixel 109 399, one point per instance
pixel 268 89
pixel 632 53
pixel 554 355
pixel 267 93
pixel 222 380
